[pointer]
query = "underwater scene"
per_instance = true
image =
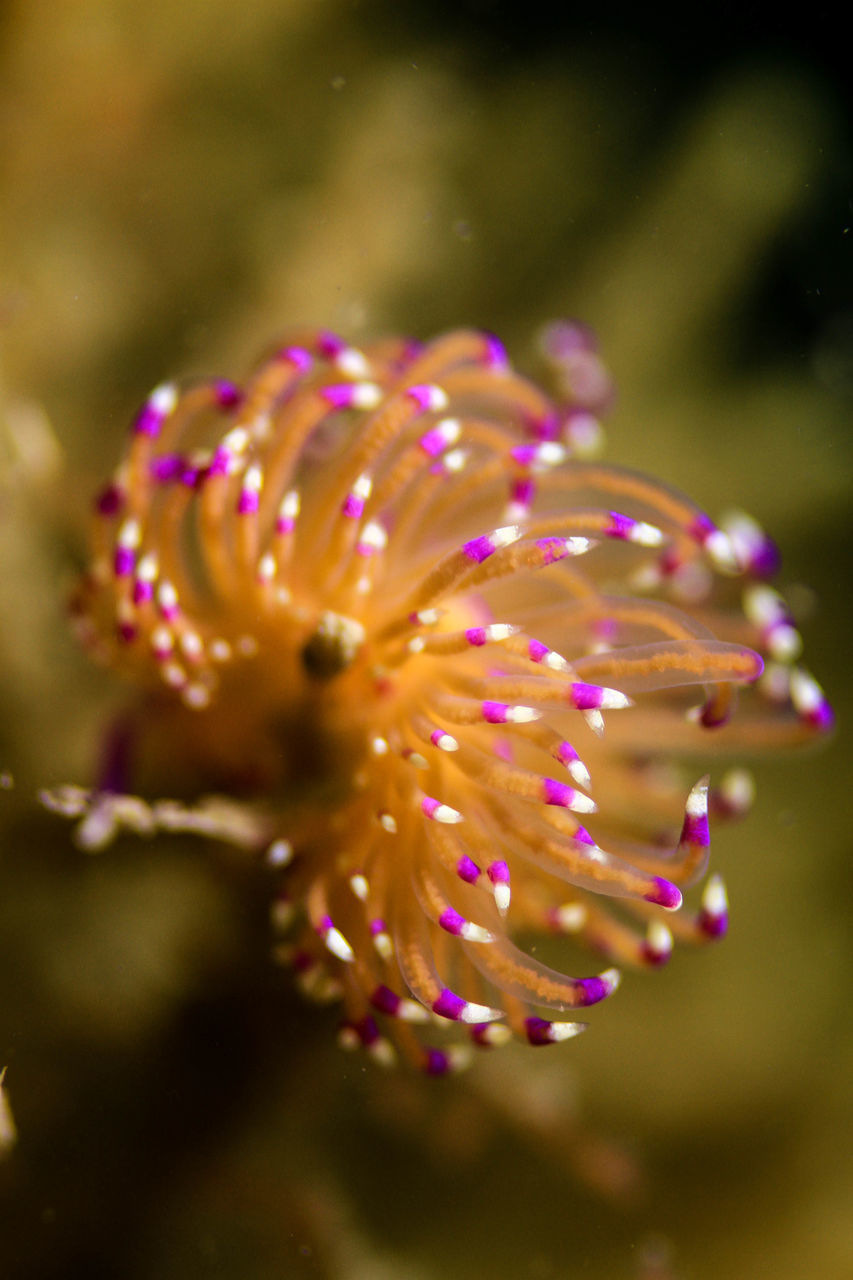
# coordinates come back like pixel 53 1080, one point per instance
pixel 425 520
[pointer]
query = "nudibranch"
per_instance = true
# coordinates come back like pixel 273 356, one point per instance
pixel 442 668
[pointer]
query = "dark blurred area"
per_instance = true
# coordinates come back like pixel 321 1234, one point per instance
pixel 181 183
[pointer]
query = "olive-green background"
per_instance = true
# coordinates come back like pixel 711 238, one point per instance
pixel 178 184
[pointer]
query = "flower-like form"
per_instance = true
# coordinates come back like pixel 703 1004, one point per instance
pixel 446 667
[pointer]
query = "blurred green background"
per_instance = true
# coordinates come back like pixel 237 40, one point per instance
pixel 179 184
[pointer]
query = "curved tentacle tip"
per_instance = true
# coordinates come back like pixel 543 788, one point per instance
pixel 594 990
pixel 695 830
pixel 452 922
pixel 664 894
pixel 541 1031
pixel 490 1035
pixel 593 697
pixel 714 913
pixel 442 1062
pixel 658 942
pixel 810 702
pixel 498 874
pixel 451 1006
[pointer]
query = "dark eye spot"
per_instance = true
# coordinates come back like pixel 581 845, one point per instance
pixel 333 646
